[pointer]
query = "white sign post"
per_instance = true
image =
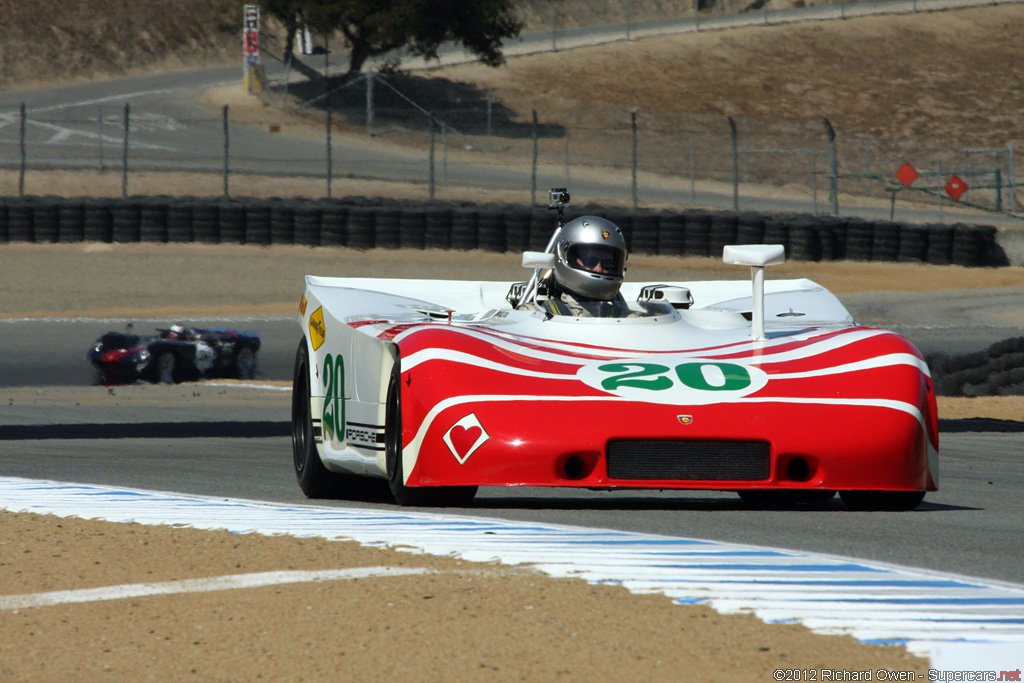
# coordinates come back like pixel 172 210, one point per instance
pixel 251 48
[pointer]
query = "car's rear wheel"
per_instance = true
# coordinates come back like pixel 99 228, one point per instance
pixel 426 496
pixel 315 480
pixel 245 364
pixel 780 499
pixel 892 501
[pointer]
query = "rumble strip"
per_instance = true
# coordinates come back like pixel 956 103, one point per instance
pixel 953 619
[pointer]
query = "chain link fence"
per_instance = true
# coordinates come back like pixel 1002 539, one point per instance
pixel 451 134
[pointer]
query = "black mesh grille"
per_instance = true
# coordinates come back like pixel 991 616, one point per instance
pixel 695 460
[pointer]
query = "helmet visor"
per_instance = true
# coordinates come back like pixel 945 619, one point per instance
pixel 596 258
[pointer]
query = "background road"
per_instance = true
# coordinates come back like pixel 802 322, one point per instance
pixel 51 352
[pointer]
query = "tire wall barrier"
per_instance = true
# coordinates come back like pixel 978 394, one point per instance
pixel 995 371
pixel 367 223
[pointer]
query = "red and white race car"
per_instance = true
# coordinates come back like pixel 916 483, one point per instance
pixel 768 389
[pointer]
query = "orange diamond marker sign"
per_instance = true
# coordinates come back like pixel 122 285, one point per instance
pixel 956 188
pixel 907 174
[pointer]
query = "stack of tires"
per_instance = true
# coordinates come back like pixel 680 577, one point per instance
pixel 368 223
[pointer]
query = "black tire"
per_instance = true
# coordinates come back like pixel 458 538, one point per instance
pixel 671 234
pixel 723 231
pixel 315 480
pixel 886 246
pixel 859 240
pixel 179 221
pixel 438 227
pixel 333 217
pixel 412 227
pixel 491 230
pixel 96 222
pixel 645 234
pixel 433 496
pixel 70 221
pixel 913 244
pixel 892 501
pixel 282 222
pixel 245 363
pixel 125 217
pixel 387 223
pixel 257 223
pixel 775 499
pixel 940 244
pixel 464 230
pixel 804 244
pixel 153 220
pixel 517 230
pixel 164 367
pixel 307 224
pixel 44 221
pixel 231 220
pixel 360 227
pixel 697 238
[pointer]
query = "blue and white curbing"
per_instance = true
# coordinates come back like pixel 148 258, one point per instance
pixel 956 621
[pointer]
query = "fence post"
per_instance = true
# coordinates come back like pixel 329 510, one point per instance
pixel 615 140
pixel 430 181
pixel 565 152
pixel 101 136
pixel 21 151
pixel 735 165
pixel 227 151
pixel 693 172
pixel 124 153
pixel 696 13
pixel 369 104
pixel 627 20
pixel 490 129
pixel 554 22
pixel 444 154
pixel 330 158
pixel 533 165
pixel 635 192
pixel 1010 179
pixel 833 169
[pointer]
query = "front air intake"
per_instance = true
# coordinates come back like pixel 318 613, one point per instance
pixel 689 460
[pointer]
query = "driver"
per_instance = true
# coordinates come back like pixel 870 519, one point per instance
pixel 590 261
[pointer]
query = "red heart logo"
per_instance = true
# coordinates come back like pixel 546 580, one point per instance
pixel 463 438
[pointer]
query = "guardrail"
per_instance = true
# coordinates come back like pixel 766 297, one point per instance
pixel 371 223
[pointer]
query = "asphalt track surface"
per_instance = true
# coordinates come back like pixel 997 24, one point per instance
pixel 240 449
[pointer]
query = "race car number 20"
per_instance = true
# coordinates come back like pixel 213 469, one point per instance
pixel 334 398
pixel 689 382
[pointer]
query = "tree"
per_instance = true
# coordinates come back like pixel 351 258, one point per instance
pixel 376 27
pixel 288 13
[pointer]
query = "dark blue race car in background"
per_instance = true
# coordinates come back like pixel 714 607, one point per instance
pixel 175 354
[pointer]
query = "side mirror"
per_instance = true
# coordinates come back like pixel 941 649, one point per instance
pixel 538 259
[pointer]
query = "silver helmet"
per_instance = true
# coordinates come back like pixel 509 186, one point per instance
pixel 590 258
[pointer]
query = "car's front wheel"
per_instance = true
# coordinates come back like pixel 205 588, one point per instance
pixel 165 363
pixel 315 480
pixel 426 496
